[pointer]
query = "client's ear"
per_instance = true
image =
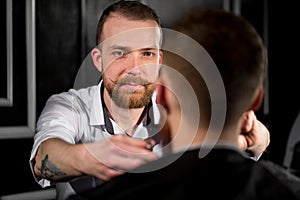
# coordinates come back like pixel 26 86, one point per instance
pixel 258 99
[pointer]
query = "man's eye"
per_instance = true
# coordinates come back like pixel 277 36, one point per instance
pixel 118 53
pixel 148 54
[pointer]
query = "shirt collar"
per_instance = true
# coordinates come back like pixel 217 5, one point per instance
pixel 97 116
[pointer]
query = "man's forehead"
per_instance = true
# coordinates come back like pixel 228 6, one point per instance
pixel 135 38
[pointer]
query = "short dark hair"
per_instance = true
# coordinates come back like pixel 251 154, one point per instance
pixel 235 47
pixel 130 9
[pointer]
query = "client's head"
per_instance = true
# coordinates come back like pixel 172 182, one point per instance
pixel 240 56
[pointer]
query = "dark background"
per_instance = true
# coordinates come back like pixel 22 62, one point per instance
pixel 65 31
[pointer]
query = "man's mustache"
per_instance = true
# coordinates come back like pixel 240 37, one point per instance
pixel 131 81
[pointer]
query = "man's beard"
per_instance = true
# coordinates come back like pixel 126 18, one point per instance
pixel 129 98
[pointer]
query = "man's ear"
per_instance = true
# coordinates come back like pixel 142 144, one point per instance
pixel 96 56
pixel 161 54
pixel 258 99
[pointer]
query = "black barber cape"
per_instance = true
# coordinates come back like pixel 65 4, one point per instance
pixel 221 174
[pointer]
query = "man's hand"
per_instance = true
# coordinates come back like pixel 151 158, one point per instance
pixel 255 137
pixel 114 156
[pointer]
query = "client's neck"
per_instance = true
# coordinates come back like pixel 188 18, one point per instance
pixel 185 134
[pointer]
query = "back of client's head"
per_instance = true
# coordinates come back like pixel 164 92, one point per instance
pixel 238 53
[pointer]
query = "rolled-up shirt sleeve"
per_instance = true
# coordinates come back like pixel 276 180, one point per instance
pixel 57 120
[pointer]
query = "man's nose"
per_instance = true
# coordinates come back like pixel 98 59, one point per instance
pixel 134 63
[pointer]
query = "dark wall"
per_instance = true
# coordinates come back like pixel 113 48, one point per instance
pixel 59 55
pixel 58 46
pixel 16 174
pixel 9 113
pixel 284 76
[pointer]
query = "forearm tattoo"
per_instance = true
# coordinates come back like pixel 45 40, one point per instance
pixel 50 171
